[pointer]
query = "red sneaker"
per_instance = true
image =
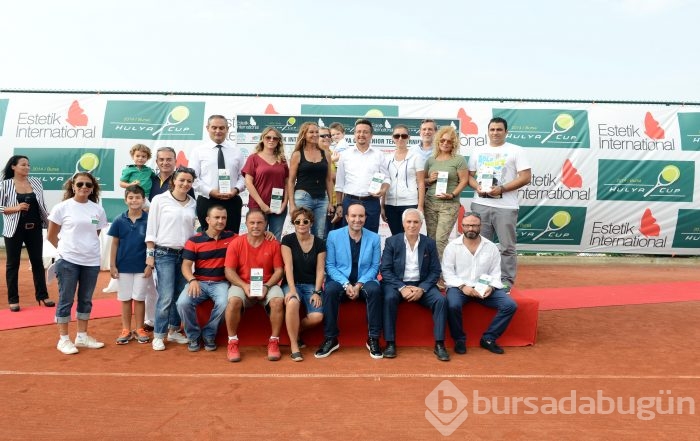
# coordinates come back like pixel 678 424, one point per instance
pixel 273 349
pixel 232 352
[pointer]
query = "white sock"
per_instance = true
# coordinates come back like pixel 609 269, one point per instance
pixel 235 337
pixel 82 335
pixel 272 337
pixel 65 337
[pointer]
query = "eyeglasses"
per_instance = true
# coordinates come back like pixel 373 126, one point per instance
pixel 272 138
pixel 81 184
pixel 302 221
pixel 325 136
pixel 400 135
pixel 470 226
pixel 446 141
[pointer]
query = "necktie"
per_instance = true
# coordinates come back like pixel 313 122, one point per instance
pixel 222 162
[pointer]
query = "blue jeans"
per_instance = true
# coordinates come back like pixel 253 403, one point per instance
pixel 393 217
pixel 431 299
pixel 170 284
pixel 373 211
pixel 499 299
pixel 71 277
pixel 318 206
pixel 187 307
pixel 275 223
pixel 334 294
pixel 305 291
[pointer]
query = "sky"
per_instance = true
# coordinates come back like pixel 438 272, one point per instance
pixel 616 50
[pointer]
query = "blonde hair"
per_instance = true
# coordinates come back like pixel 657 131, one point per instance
pixel 452 133
pixel 279 150
pixel 140 148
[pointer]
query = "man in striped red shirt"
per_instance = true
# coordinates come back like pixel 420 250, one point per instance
pixel 203 267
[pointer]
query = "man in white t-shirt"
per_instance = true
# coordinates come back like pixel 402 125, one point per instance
pixel 504 168
pixel 427 137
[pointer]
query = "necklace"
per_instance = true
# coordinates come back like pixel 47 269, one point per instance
pixel 179 200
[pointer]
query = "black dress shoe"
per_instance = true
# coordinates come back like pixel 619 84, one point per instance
pixel 47 302
pixel 490 345
pixel 327 347
pixel 460 347
pixel 390 350
pixel 440 352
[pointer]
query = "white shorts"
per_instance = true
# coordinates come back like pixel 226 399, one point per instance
pixel 133 286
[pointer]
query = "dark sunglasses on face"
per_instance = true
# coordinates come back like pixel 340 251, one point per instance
pixel 325 136
pixel 302 221
pixel 272 138
pixel 400 135
pixel 81 184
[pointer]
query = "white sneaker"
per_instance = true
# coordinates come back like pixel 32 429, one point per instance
pixel 67 347
pixel 158 344
pixel 177 337
pixel 88 342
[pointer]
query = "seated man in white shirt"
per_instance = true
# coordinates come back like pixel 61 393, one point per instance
pixel 471 266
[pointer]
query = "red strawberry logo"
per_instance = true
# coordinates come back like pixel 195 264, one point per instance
pixel 467 126
pixel 570 176
pixel 649 227
pixel 652 128
pixel 76 115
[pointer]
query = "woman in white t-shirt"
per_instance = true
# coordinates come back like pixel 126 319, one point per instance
pixel 407 188
pixel 78 219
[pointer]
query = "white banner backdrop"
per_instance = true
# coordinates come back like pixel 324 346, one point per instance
pixel 613 178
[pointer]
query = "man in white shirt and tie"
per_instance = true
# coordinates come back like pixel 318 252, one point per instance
pixel 219 181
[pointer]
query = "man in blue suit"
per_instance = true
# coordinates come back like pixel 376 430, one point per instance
pixel 352 264
pixel 410 270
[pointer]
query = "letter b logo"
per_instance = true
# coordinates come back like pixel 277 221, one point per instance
pixel 446 407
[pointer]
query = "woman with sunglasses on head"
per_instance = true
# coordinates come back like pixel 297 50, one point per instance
pixel 78 219
pixel 311 177
pixel 407 188
pixel 170 223
pixel 441 208
pixel 24 215
pixel 304 258
pixel 266 175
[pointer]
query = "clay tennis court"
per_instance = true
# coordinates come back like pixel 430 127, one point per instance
pixel 132 392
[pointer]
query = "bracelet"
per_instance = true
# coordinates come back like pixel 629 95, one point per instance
pixel 193 279
pixel 318 292
pixel 503 189
pixel 267 286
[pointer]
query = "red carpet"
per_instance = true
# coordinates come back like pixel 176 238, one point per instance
pixel 38 315
pixel 549 298
pixel 613 295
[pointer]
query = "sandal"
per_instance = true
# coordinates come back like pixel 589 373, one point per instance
pixel 296 356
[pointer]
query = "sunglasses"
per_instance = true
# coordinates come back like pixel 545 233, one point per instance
pixel 272 138
pixel 446 141
pixel 325 136
pixel 302 221
pixel 400 135
pixel 81 184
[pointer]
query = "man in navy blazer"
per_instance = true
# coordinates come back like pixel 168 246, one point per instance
pixel 352 265
pixel 410 270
